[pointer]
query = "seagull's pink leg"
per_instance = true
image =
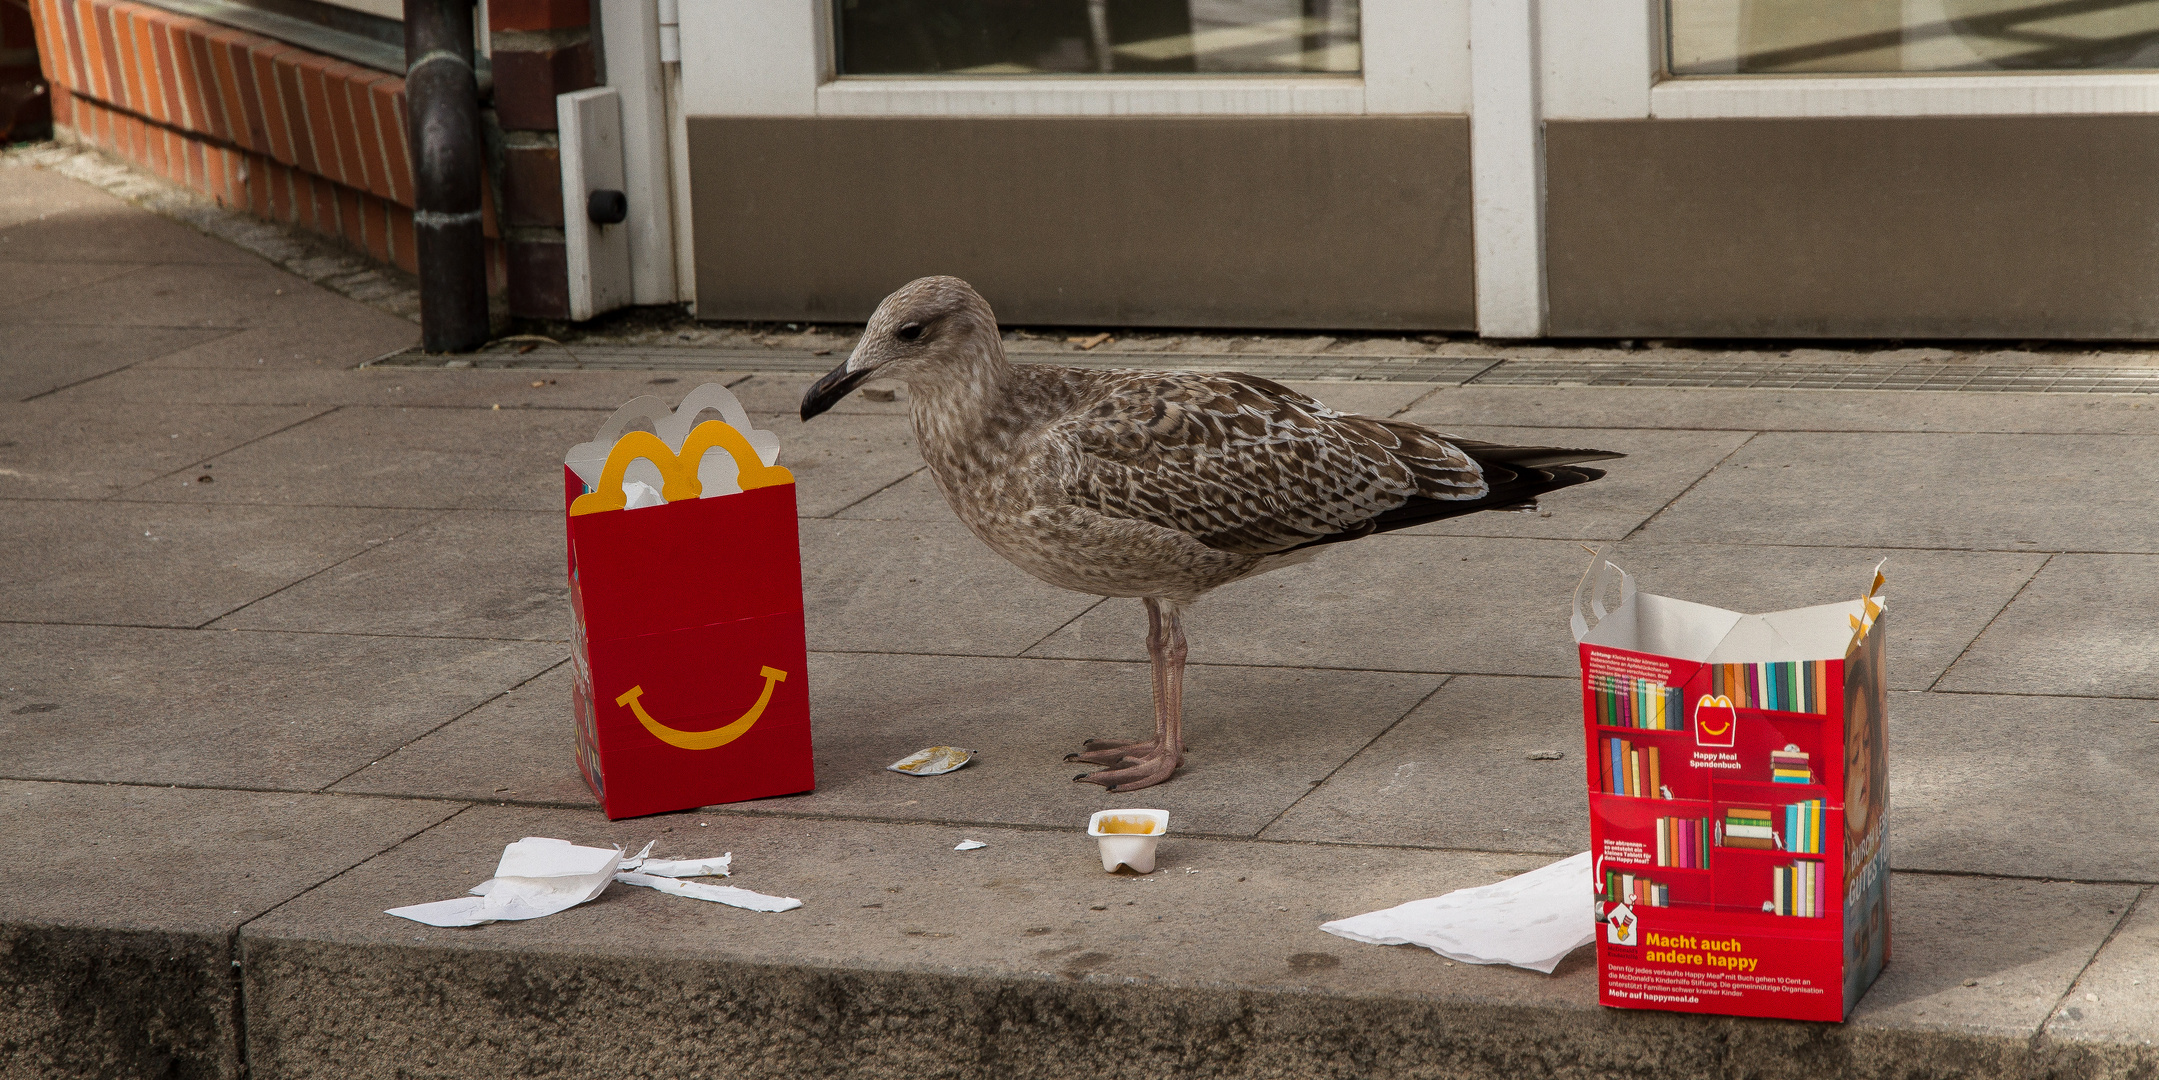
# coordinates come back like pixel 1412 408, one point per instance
pixel 1152 764
pixel 1112 751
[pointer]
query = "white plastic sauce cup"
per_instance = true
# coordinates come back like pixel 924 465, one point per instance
pixel 1121 847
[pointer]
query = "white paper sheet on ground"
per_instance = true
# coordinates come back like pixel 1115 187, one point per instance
pixel 718 894
pixel 537 876
pixel 968 845
pixel 1532 920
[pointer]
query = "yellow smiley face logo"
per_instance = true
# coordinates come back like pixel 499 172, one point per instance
pixel 703 740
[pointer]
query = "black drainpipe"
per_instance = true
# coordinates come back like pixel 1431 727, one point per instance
pixel 442 102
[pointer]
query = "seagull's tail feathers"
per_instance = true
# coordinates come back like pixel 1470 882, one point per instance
pixel 1515 477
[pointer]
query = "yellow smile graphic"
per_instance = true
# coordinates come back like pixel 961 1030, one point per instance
pixel 703 740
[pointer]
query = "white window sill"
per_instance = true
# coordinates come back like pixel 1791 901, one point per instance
pixel 2046 94
pixel 1166 95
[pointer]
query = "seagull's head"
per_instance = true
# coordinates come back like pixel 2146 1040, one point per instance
pixel 925 326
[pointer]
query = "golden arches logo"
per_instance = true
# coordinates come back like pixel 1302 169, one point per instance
pixel 703 740
pixel 678 472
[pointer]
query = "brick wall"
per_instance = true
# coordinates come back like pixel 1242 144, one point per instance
pixel 254 123
pixel 540 48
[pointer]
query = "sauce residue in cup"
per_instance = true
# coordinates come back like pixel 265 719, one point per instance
pixel 1138 825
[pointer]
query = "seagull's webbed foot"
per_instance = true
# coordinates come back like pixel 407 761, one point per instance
pixel 1146 771
pixel 1112 752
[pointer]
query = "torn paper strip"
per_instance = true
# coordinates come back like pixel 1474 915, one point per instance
pixel 718 894
pixel 715 867
pixel 536 876
pixel 1532 920
pixel 968 845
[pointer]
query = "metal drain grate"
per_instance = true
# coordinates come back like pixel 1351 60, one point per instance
pixel 1433 370
pixel 1778 375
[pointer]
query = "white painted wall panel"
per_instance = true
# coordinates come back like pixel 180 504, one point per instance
pixel 1416 56
pixel 751 57
pixel 1599 58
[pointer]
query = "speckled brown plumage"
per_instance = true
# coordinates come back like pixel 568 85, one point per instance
pixel 1161 485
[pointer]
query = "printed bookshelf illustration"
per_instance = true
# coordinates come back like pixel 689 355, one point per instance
pixel 1638 703
pixel 1683 842
pixel 1791 765
pixel 1799 686
pixel 1748 829
pixel 1757 884
pixel 1803 827
pixel 1621 887
pixel 1797 890
pixel 1633 770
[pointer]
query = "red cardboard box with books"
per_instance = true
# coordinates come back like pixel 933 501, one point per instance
pixel 1738 792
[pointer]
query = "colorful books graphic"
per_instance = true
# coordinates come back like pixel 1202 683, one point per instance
pixel 1800 686
pixel 1633 770
pixel 1791 765
pixel 1683 842
pixel 1638 703
pixel 1797 889
pixel 1803 827
pixel 1624 888
pixel 1748 829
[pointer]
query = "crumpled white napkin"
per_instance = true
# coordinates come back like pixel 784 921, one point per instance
pixel 1531 920
pixel 537 876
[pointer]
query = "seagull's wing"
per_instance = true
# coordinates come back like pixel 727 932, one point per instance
pixel 1243 464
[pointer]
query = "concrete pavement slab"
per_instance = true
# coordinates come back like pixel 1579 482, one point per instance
pixel 913 499
pixel 119 902
pixel 91 225
pixel 1257 739
pixel 840 461
pixel 1900 489
pixel 1023 959
pixel 1941 599
pixel 1391 602
pixel 32 194
pixel 465 573
pixel 473 459
pixel 2032 786
pixel 294 341
pixel 1787 410
pixel 1958 969
pixel 480 388
pixel 922 588
pixel 1658 467
pixel 158 564
pixel 90 450
pixel 2116 1001
pixel 241 294
pixel 226 708
pixel 520 747
pixel 769 393
pixel 25 281
pixel 35 364
pixel 2083 626
pixel 1456 773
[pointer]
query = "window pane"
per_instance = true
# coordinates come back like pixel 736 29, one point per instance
pixel 1075 37
pixel 1723 37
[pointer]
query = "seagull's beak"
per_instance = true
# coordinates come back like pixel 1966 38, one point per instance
pixel 827 392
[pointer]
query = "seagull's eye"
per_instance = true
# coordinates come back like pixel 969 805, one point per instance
pixel 909 331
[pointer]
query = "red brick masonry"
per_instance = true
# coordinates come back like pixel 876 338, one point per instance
pixel 254 123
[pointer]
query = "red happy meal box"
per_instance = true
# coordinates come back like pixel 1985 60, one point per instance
pixel 691 676
pixel 1738 796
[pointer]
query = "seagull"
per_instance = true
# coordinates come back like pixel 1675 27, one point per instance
pixel 1160 485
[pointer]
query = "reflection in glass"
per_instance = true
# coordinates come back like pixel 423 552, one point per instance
pixel 1725 37
pixel 1068 37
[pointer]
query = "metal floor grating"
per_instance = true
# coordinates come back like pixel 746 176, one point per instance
pixel 1439 370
